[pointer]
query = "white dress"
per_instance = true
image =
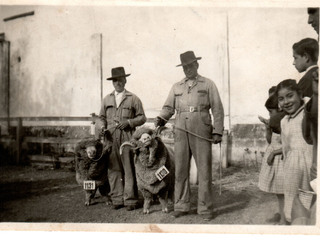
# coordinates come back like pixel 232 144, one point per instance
pixel 297 161
pixel 271 177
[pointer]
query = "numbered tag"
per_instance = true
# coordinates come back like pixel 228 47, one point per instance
pixel 89 185
pixel 161 173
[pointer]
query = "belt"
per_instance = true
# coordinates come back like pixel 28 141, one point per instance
pixel 191 109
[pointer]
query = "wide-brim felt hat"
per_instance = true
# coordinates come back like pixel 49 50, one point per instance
pixel 187 58
pixel 117 73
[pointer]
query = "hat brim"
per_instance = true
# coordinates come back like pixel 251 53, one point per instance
pixel 183 64
pixel 116 77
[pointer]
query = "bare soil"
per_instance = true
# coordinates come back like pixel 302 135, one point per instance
pixel 31 195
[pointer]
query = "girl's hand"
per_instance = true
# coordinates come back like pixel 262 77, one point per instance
pixel 270 159
pixel 263 120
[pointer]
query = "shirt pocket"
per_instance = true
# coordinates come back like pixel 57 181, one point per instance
pixel 177 99
pixel 126 111
pixel 203 97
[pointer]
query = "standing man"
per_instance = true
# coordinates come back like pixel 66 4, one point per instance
pixel 192 98
pixel 122 112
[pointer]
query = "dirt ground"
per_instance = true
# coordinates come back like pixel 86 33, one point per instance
pixel 31 195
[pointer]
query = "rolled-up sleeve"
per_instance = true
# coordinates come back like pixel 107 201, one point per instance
pixel 216 109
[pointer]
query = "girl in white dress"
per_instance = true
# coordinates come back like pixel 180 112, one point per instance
pixel 271 173
pixel 297 153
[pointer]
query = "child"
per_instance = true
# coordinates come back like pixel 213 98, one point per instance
pixel 305 54
pixel 297 153
pixel 271 174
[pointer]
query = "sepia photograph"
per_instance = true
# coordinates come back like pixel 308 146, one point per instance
pixel 159 116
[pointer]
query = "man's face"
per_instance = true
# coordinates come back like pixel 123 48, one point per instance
pixel 313 19
pixel 300 62
pixel 91 152
pixel 191 70
pixel 119 84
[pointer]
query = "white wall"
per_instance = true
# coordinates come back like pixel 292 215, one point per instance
pixel 261 55
pixel 59 48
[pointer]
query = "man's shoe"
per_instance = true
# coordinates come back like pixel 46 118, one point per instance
pixel 117 206
pixel 178 214
pixel 207 217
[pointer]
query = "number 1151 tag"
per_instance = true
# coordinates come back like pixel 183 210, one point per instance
pixel 89 185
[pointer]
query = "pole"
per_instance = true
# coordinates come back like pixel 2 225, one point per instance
pixel 101 71
pixel 228 59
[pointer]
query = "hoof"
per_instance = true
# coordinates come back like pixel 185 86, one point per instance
pixel 87 203
pixel 109 202
pixel 146 211
pixel 165 210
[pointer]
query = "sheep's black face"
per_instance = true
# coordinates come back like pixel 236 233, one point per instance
pixel 91 152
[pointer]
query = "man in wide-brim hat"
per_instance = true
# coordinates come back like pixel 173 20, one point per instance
pixel 191 99
pixel 122 112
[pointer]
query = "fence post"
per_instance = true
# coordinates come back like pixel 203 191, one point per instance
pixel 224 149
pixel 19 135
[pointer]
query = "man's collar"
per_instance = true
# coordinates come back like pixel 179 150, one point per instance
pixel 308 69
pixel 198 79
pixel 124 92
pixel 117 93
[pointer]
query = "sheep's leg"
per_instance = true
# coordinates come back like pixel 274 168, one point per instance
pixel 147 201
pixel 89 196
pixel 163 198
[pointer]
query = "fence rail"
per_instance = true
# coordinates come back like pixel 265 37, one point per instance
pixel 20 138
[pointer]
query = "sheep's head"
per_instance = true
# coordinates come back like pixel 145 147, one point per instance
pixel 91 151
pixel 146 139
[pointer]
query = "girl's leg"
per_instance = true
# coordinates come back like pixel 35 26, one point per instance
pixel 281 206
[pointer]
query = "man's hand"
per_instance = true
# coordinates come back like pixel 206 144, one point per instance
pixel 217 138
pixel 123 125
pixel 159 122
pixel 270 159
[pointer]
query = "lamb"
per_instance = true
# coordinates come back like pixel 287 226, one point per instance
pixel 92 168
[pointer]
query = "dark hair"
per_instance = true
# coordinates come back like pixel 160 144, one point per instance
pixel 272 90
pixel 289 84
pixel 308 46
pixel 312 10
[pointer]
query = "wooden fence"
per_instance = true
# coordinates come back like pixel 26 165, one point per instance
pixel 20 138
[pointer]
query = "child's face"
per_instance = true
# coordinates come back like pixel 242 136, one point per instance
pixel 300 62
pixel 289 101
pixel 91 151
